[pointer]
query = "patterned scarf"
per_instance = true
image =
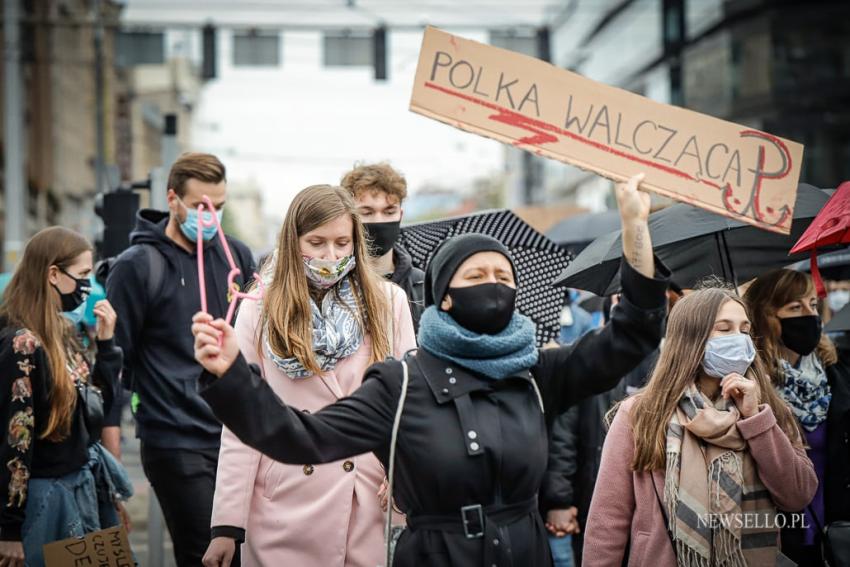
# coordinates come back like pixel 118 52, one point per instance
pixel 806 390
pixel 495 356
pixel 337 333
pixel 719 512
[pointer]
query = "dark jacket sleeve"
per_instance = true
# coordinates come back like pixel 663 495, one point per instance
pixel 244 258
pixel 126 289
pixel 837 482
pixel 107 370
pixel 360 423
pixel 24 368
pixel 557 491
pixel 597 361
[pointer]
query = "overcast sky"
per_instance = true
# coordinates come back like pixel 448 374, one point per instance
pixel 302 123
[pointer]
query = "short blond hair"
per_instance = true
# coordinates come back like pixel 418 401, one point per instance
pixel 376 177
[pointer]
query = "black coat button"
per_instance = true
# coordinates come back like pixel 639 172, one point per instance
pixel 348 466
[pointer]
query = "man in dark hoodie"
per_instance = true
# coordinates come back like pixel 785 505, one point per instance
pixel 379 191
pixel 154 288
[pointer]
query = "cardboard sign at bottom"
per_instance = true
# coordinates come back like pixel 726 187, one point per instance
pixel 104 548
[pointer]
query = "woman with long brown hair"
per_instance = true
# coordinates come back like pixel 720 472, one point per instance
pixel 49 398
pixel 326 316
pixel 805 371
pixel 696 464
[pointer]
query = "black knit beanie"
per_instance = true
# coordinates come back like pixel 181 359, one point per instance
pixel 450 255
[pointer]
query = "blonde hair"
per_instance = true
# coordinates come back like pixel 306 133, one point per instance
pixel 376 177
pixel 689 326
pixel 286 308
pixel 31 302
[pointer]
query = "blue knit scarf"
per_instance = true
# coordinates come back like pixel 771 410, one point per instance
pixel 495 356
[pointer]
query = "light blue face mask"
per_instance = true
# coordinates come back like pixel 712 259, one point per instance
pixel 189 227
pixel 77 315
pixel 727 354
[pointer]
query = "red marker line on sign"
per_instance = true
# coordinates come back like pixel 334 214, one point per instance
pixel 533 125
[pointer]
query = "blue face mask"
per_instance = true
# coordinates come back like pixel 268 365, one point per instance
pixel 77 315
pixel 727 354
pixel 189 227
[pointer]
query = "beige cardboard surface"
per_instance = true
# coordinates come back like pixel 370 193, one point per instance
pixel 724 167
pixel 104 548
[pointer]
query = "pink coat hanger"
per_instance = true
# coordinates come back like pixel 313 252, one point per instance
pixel 233 287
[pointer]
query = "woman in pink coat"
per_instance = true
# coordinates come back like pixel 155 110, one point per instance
pixel 325 318
pixel 696 465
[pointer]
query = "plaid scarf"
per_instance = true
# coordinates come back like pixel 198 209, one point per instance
pixel 719 512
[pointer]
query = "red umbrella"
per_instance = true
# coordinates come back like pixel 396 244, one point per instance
pixel 831 226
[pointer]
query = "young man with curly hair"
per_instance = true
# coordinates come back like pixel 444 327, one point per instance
pixel 379 191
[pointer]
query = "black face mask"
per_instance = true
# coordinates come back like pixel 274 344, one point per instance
pixel 71 301
pixel 801 334
pixel 484 309
pixel 382 236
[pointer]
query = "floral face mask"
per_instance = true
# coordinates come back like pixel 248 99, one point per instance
pixel 326 273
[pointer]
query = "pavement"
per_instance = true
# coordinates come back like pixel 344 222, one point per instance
pixel 138 505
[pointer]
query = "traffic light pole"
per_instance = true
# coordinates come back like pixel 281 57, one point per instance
pixel 101 182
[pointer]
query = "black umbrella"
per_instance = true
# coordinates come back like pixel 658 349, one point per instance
pixel 832 266
pixel 538 260
pixel 695 243
pixel 576 232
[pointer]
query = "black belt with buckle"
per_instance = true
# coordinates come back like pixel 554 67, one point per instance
pixel 476 521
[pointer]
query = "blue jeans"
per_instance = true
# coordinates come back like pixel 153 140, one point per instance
pixel 562 550
pixel 68 506
pixel 58 508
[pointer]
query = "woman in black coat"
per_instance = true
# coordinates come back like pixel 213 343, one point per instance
pixel 472 445
pixel 811 374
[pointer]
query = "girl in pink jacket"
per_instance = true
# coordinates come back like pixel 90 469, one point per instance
pixel 696 464
pixel 326 316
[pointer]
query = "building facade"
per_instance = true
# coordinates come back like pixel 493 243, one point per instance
pixel 782 66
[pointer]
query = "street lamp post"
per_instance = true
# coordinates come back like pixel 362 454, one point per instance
pixel 13 148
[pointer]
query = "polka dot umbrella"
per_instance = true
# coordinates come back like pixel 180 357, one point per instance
pixel 538 260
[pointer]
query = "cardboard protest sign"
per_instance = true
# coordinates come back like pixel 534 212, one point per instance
pixel 726 168
pixel 104 548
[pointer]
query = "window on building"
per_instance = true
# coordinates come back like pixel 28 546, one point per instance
pixel 348 49
pixel 139 48
pixel 524 42
pixel 256 49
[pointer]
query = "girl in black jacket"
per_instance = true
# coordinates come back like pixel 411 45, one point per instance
pixel 47 487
